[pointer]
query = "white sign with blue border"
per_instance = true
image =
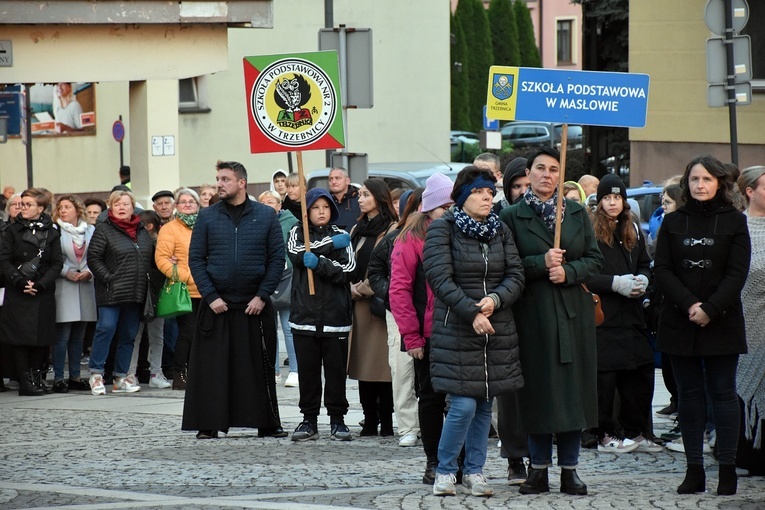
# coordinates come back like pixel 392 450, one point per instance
pixel 574 97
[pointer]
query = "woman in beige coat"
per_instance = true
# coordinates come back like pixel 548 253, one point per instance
pixel 368 349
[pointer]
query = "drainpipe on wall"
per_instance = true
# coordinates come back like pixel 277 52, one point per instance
pixel 541 32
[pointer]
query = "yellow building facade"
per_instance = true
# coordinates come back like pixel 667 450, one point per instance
pixel 136 67
pixel 668 42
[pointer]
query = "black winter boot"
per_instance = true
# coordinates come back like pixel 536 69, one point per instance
pixel 386 424
pixel 728 480
pixel 695 480
pixel 570 483
pixel 28 386
pixel 536 483
pixel 40 376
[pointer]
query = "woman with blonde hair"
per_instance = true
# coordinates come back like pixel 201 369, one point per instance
pixel 206 192
pixel 750 374
pixel 119 256
pixel 281 296
pixel 75 294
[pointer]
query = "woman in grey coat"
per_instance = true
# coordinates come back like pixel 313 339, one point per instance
pixel 75 295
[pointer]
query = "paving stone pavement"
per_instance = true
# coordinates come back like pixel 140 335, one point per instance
pixel 77 451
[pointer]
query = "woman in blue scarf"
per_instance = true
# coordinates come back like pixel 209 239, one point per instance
pixel 474 270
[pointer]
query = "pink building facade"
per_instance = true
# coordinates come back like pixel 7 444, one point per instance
pixel 558 27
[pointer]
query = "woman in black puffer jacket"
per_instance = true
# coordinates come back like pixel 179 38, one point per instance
pixel 473 267
pixel 120 255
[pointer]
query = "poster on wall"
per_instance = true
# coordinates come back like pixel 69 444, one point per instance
pixel 57 109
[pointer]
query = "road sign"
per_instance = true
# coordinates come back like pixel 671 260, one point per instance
pixel 293 102
pixel 358 62
pixel 118 130
pixel 574 97
pixel 489 124
pixel 717 94
pixel 717 61
pixel 714 15
pixel 6 53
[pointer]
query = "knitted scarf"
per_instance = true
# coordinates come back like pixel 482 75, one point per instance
pixel 750 376
pixel 484 231
pixel 187 219
pixel 77 233
pixel 130 226
pixel 545 210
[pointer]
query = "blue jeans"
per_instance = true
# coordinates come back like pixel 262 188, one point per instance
pixel 540 449
pixel 467 423
pixel 284 318
pixel 124 320
pixel 69 337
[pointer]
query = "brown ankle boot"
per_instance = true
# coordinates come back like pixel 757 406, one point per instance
pixel 179 380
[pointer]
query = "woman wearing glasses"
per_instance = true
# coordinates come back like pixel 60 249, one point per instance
pixel 173 250
pixel 13 207
pixel 31 260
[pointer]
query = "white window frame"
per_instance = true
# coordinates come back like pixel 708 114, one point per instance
pixel 199 89
pixel 758 84
pixel 574 40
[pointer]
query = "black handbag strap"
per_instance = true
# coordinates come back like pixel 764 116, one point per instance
pixel 43 243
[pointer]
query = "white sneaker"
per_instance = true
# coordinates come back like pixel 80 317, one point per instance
pixel 613 445
pixel 408 440
pixel 159 381
pixel 278 379
pixel 476 484
pixel 97 384
pixel 677 446
pixel 292 380
pixel 646 445
pixel 124 385
pixel 444 485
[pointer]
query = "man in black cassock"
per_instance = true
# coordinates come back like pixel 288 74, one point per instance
pixel 236 258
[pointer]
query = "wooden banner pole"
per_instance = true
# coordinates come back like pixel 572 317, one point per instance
pixel 304 211
pixel 561 180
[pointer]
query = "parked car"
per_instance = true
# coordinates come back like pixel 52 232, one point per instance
pixel 459 137
pixel 535 134
pixel 396 175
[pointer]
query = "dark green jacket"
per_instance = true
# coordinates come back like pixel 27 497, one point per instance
pixel 556 323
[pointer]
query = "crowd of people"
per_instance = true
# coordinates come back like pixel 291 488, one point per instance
pixel 458 307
